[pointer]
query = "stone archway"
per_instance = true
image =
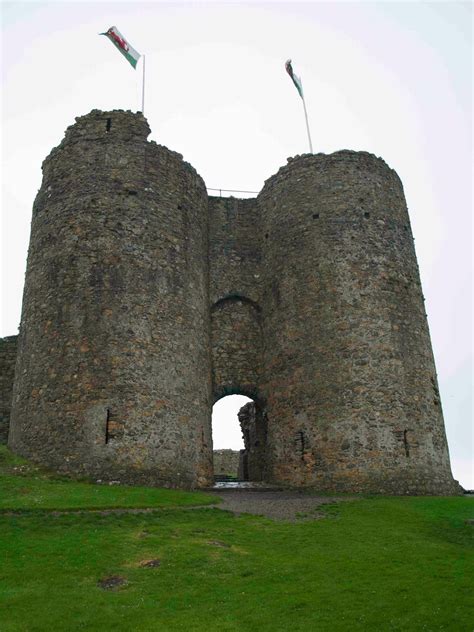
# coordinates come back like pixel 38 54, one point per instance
pixel 236 340
pixel 250 463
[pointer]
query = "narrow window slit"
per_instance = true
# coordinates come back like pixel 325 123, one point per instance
pixel 405 443
pixel 109 125
pixel 107 427
pixel 366 215
pixel 300 443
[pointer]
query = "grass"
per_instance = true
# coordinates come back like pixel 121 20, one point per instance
pixel 26 486
pixel 395 564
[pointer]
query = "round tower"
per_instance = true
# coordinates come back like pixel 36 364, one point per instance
pixel 350 382
pixel 113 370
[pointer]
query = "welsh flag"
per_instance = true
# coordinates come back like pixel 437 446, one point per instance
pixel 296 80
pixel 118 40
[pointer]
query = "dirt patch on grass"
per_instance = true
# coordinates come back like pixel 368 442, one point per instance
pixel 291 506
pixel 112 583
pixel 149 563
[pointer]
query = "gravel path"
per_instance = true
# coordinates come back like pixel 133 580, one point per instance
pixel 278 505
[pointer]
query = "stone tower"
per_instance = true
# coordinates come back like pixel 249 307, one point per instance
pixel 113 360
pixel 146 301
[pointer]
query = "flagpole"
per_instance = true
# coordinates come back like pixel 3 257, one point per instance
pixel 143 87
pixel 307 125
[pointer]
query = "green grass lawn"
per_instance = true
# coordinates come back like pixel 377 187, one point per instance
pixel 25 486
pixel 373 564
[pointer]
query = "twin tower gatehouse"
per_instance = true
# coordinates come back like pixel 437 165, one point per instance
pixel 146 300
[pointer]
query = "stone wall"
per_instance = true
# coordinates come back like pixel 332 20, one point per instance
pixel 236 339
pixel 8 347
pixel 146 301
pixel 226 462
pixel 235 292
pixel 254 465
pixel 235 251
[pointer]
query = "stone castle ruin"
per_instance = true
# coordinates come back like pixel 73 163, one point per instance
pixel 146 301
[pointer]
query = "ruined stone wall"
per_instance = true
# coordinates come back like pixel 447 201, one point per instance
pixel 114 370
pixel 350 382
pixel 8 347
pixel 252 419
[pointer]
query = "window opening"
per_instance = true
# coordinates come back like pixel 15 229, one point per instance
pixel 405 443
pixel 107 427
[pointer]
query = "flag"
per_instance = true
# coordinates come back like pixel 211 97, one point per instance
pixel 124 47
pixel 296 80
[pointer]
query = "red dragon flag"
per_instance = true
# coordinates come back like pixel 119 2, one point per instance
pixel 121 43
pixel 296 80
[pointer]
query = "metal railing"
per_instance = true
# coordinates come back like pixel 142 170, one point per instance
pixel 231 191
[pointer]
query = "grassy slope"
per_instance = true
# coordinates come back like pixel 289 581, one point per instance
pixel 374 564
pixel 25 486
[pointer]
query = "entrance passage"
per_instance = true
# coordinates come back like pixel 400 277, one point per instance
pixel 239 440
pixel 227 438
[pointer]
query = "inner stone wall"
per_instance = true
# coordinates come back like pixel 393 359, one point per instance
pixel 226 462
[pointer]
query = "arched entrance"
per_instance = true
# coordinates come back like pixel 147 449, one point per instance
pixel 236 340
pixel 239 431
pixel 227 439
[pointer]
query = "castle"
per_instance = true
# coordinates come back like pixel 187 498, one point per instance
pixel 146 300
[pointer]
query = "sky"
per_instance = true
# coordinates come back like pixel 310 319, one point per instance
pixel 391 78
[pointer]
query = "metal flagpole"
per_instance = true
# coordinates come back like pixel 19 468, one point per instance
pixel 307 126
pixel 143 88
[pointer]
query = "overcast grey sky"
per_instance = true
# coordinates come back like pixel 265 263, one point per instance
pixel 391 78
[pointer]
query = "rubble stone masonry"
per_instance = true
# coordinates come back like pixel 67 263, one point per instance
pixel 146 301
pixel 8 348
pixel 226 462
